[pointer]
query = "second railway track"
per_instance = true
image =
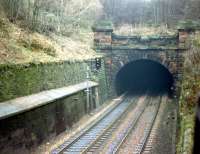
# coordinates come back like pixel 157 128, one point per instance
pixel 136 139
pixel 110 134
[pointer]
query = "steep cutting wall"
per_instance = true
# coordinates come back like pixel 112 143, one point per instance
pixel 26 79
pixel 21 133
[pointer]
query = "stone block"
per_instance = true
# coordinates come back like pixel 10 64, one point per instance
pixel 183 36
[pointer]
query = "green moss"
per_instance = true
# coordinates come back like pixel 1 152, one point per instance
pixel 103 25
pixel 196 41
pixel 4 28
pixel 26 79
pixel 186 134
pixel 34 45
pixel 188 24
pixel 21 80
pixel 187 103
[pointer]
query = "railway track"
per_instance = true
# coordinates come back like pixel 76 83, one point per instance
pixel 153 138
pixel 123 120
pixel 136 139
pixel 137 110
pixel 81 143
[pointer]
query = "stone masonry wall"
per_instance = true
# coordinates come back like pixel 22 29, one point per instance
pixel 21 133
pixel 26 79
pixel 168 59
pixel 120 50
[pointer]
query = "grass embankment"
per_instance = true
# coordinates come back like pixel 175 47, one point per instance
pixel 188 99
pixel 23 46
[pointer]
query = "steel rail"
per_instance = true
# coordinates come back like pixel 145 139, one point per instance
pixel 107 133
pixel 142 146
pixel 150 129
pixel 129 130
pixel 89 134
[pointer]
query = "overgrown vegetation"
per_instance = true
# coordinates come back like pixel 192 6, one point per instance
pixel 37 31
pixel 191 84
pixel 37 43
pixel 127 29
pixel 62 16
pixel 23 46
pixel 151 12
pixel 188 99
pixel 44 31
pixel 66 24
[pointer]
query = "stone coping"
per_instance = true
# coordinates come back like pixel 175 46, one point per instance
pixel 126 47
pixel 148 38
pixel 102 29
pixel 22 104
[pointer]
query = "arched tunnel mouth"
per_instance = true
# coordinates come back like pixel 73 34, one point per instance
pixel 144 76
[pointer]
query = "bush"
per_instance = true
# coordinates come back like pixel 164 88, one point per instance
pixel 61 17
pixel 38 43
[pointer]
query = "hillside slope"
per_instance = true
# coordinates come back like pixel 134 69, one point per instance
pixel 20 46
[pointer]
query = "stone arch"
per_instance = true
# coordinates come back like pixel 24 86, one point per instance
pixel 158 58
pixel 163 84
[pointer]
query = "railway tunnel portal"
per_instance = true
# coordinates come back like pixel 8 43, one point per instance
pixel 138 63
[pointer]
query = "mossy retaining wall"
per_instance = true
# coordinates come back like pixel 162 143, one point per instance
pixel 21 133
pixel 25 79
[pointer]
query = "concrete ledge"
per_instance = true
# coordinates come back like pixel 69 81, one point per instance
pixel 23 104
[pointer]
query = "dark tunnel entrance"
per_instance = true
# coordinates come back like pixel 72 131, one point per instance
pixel 143 76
